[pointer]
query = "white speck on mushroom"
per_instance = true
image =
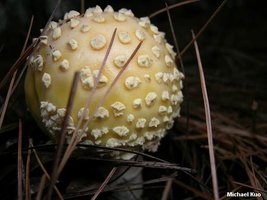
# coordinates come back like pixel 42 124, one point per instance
pixel 56 33
pixel 112 142
pixel 144 61
pixel 174 88
pixel 150 98
pixel 126 12
pixel 118 108
pixel 169 124
pixel 73 44
pixel 120 60
pixel 38 63
pixel 46 78
pixel 61 112
pixel 170 110
pixel 56 54
pixel 159 38
pixel 103 79
pixel 133 137
pixel 140 35
pixel 165 119
pixel 168 60
pixel 99 18
pixel 154 122
pixel 170 50
pixel 132 82
pixel 97 9
pixel 89 12
pixel 154 29
pixel 165 95
pixel 98 42
pixel 147 77
pixel 137 103
pixel 162 109
pixel 149 135
pixel 85 28
pixel 121 130
pixel 156 51
pixel 178 98
pixel 144 22
pixel 108 9
pixel 171 77
pixel 73 23
pixel 52 25
pixel 177 75
pixel 97 133
pixel 86 77
pixel 140 123
pixel 43 39
pixel 84 112
pixel 159 77
pixel 64 65
pixel 124 37
pixel 166 77
pixel 101 113
pixel 71 14
pixel 130 118
pixel 119 17
pixel 140 140
pixel 49 107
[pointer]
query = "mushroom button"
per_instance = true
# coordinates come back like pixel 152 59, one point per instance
pixel 142 104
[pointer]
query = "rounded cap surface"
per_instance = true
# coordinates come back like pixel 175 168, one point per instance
pixel 142 104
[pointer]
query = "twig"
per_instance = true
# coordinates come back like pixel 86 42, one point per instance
pixel 61 136
pixel 4 108
pixel 203 28
pixel 145 164
pixel 51 16
pixel 171 7
pixel 27 185
pixel 23 50
pixel 46 175
pixel 167 189
pixel 208 121
pixel 41 188
pixel 19 168
pixel 82 6
pixel 103 185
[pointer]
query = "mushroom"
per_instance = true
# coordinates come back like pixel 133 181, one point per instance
pixel 142 104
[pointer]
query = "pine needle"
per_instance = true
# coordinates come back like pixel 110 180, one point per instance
pixel 208 121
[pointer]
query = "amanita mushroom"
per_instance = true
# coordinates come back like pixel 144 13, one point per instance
pixel 142 104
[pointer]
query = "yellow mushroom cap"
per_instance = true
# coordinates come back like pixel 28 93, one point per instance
pixel 142 104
